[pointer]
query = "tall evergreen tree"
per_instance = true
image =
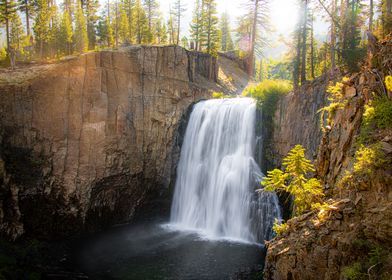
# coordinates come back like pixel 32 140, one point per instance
pixel 151 13
pixel 257 11
pixel 28 8
pixel 16 32
pixel 226 40
pixel 66 33
pixel 80 34
pixel 8 10
pixel 140 23
pixel 196 24
pixel 123 25
pixel 210 32
pixel 179 9
pixel 91 10
pixel 128 6
pixel 42 25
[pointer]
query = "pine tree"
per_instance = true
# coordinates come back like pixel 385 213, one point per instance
pixel 386 17
pixel 91 9
pixel 42 25
pixel 124 25
pixel 28 8
pixel 196 24
pixel 151 13
pixel 304 39
pixel 184 42
pixel 128 6
pixel 140 23
pixel 226 41
pixel 8 10
pixel 160 32
pixel 80 34
pixel 257 10
pixel 179 9
pixel 16 32
pixel 171 27
pixel 210 34
pixel 66 33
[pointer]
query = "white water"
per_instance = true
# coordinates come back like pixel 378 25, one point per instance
pixel 217 175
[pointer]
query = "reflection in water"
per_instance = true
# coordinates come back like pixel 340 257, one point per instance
pixel 150 251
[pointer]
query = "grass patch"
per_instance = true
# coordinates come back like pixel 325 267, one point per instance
pixel 267 93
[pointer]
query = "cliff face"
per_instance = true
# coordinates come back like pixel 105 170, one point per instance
pixel 84 141
pixel 353 233
pixel 297 121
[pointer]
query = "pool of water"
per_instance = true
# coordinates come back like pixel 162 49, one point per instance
pixel 153 251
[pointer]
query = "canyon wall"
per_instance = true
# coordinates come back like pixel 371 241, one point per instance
pixel 84 141
pixel 351 235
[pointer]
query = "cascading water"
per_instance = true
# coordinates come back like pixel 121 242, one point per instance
pixel 217 175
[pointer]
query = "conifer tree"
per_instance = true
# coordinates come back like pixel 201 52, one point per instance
pixel 28 8
pixel 140 23
pixel 91 9
pixel 196 24
pixel 386 17
pixel 179 9
pixel 124 26
pixel 257 10
pixel 210 34
pixel 151 13
pixel 42 25
pixel 161 32
pixel 66 33
pixel 16 32
pixel 128 6
pixel 226 40
pixel 8 10
pixel 171 27
pixel 80 34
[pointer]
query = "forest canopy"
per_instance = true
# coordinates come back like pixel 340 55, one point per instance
pixel 41 30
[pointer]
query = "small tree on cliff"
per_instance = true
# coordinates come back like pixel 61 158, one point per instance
pixel 306 192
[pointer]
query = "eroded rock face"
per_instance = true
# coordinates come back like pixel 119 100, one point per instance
pixel 85 140
pixel 297 121
pixel 322 243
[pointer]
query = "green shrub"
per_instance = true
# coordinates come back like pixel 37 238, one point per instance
pixel 306 192
pixel 354 272
pixel 267 93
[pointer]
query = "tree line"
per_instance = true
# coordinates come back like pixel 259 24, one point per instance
pixel 42 29
pixel 353 25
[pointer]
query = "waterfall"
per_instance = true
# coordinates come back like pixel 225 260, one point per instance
pixel 217 175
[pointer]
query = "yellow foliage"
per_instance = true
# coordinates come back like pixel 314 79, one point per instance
pixel 279 228
pixel 388 82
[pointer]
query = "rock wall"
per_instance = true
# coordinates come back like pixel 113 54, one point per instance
pixel 354 229
pixel 84 141
pixel 297 121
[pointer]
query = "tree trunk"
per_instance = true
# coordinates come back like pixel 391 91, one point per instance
pixel 312 50
pixel 253 40
pixel 27 18
pixel 178 22
pixel 371 5
pixel 333 36
pixel 304 36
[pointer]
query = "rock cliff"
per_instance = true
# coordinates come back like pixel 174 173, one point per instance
pixel 83 142
pixel 351 237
